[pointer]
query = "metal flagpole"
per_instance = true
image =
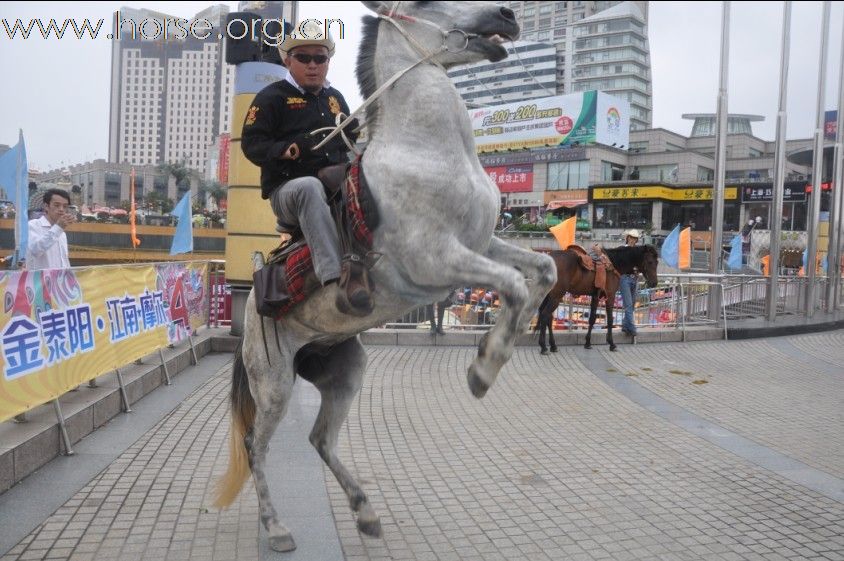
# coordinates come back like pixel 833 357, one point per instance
pixel 835 222
pixel 779 168
pixel 720 161
pixel 22 209
pixel 813 228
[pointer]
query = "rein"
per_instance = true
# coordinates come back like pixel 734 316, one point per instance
pixel 342 121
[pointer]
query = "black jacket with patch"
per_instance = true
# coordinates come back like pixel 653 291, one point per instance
pixel 278 117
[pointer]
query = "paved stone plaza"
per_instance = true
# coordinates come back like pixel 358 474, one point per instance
pixel 709 450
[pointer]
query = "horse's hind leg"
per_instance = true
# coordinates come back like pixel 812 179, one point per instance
pixel 540 327
pixel 338 377
pixel 540 320
pixel 551 342
pixel 271 390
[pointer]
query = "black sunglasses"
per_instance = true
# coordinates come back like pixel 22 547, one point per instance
pixel 306 59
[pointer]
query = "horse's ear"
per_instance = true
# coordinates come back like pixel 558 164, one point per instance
pixel 377 7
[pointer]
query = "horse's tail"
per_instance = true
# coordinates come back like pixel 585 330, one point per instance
pixel 243 417
pixel 542 306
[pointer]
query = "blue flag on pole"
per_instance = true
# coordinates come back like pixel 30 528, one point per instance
pixel 183 240
pixel 734 260
pixel 671 248
pixel 14 176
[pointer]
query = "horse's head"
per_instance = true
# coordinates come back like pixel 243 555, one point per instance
pixel 650 261
pixel 467 31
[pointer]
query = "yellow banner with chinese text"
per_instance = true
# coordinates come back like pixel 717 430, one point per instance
pixel 660 192
pixel 60 328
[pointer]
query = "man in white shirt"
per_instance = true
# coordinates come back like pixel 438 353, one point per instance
pixel 47 247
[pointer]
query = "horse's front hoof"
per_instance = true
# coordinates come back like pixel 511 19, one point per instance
pixel 587 346
pixel 613 347
pixel 543 352
pixel 282 543
pixel 553 349
pixel 371 528
pixel 476 385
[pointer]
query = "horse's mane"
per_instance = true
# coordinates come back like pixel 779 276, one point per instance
pixel 626 257
pixel 366 68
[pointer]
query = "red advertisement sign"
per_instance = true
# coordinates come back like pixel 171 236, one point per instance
pixel 512 179
pixel 223 162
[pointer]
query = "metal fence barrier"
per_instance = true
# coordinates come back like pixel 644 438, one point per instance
pixel 680 301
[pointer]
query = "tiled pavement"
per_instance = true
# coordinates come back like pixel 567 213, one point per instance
pixel 564 458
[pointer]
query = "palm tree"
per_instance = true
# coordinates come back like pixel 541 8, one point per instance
pixel 215 189
pixel 181 173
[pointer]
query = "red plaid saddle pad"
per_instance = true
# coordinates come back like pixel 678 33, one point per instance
pixel 362 218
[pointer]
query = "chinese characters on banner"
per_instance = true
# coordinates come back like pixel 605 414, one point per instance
pixel 512 179
pixel 63 327
pixel 223 161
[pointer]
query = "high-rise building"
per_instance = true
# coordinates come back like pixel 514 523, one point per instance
pixel 171 89
pixel 595 46
pixel 529 71
pixel 169 97
pixel 611 54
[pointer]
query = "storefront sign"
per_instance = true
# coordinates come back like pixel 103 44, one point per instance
pixel 512 179
pixel 659 192
pixel 792 193
pixel 523 200
pixel 534 156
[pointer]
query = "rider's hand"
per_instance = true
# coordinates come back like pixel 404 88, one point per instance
pixel 301 147
pixel 292 152
pixel 66 220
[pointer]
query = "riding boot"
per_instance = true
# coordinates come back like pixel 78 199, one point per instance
pixel 354 296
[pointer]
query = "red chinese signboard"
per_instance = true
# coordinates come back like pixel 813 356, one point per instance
pixel 223 162
pixel 512 179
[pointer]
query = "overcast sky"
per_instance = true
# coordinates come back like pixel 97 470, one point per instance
pixel 57 91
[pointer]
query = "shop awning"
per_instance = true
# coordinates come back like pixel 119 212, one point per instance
pixel 571 203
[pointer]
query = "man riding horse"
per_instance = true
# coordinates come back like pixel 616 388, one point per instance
pixel 446 242
pixel 276 138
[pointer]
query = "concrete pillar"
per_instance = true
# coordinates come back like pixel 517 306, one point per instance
pixel 656 216
pixel 250 223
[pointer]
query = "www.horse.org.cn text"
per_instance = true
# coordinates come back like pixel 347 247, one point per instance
pixel 152 29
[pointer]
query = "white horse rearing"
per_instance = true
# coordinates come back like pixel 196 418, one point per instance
pixel 438 210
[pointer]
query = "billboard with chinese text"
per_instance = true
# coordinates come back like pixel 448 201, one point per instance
pixel 512 179
pixel 62 327
pixel 566 120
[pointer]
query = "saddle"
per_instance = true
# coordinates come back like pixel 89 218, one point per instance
pixel 286 279
pixel 600 266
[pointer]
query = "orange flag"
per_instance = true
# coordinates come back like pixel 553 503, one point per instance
pixel 132 228
pixel 684 254
pixel 564 232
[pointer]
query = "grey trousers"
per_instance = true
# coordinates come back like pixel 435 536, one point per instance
pixel 301 202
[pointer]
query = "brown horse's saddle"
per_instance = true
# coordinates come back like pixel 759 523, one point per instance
pixel 599 265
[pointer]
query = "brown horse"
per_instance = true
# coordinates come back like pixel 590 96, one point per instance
pixel 574 279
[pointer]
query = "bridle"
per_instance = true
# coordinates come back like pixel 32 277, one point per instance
pixel 392 16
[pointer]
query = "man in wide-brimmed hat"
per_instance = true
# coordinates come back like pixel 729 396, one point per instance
pixel 629 287
pixel 276 138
